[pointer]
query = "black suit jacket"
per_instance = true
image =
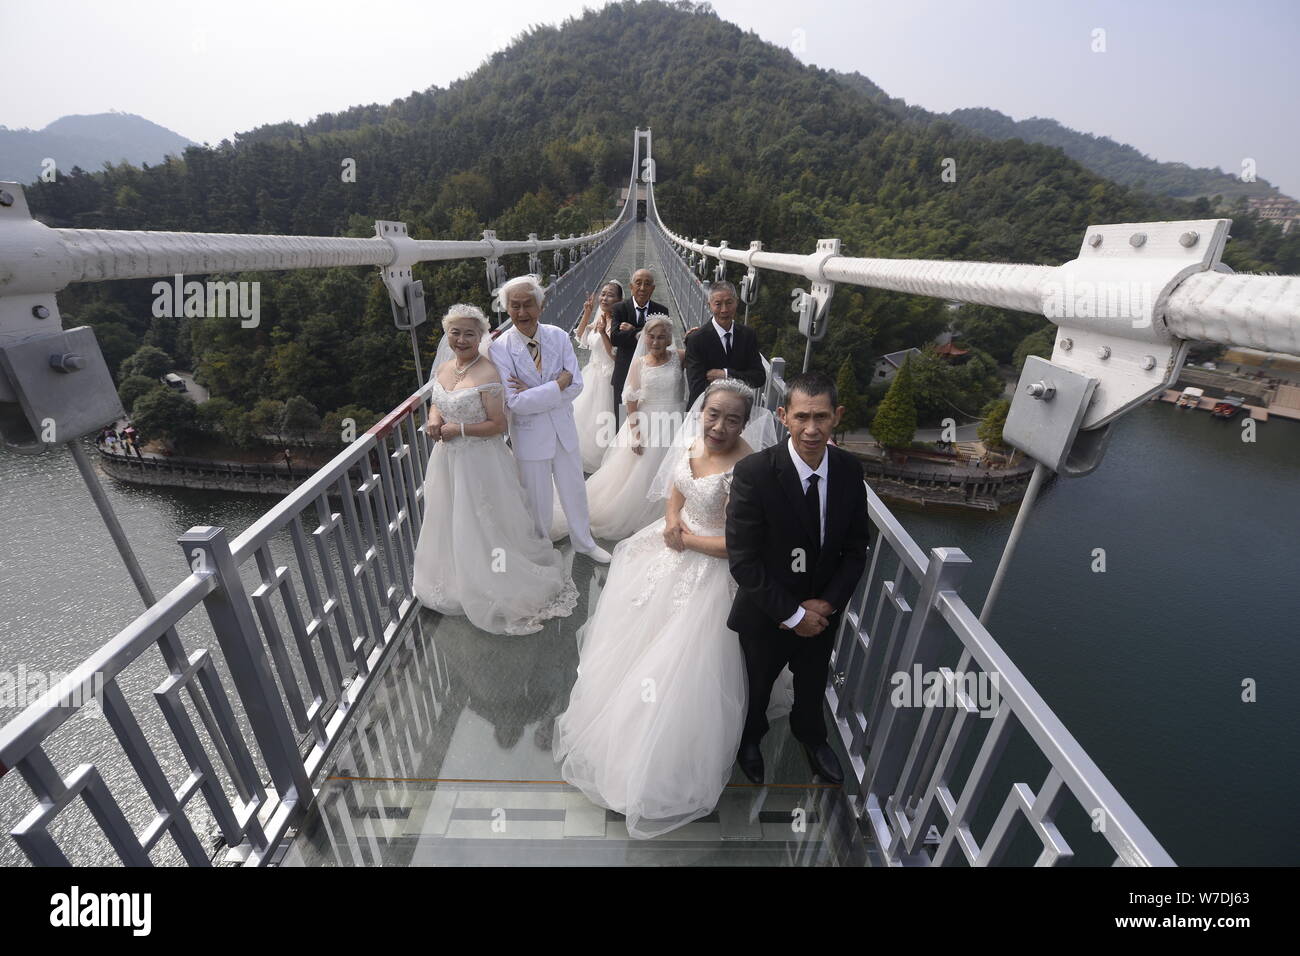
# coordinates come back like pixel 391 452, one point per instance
pixel 625 342
pixel 704 351
pixel 767 521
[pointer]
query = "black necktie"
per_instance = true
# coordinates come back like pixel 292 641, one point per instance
pixel 813 505
pixel 726 348
pixel 640 315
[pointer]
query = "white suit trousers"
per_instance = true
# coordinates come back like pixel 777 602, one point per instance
pixel 562 475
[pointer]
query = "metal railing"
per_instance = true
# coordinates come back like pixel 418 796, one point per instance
pixel 923 766
pixel 297 644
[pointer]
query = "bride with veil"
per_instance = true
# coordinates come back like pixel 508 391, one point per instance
pixel 655 394
pixel 478 552
pixel 655 716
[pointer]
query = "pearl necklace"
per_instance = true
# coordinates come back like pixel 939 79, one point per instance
pixel 460 372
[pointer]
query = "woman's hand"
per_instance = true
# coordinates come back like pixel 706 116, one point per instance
pixel 588 305
pixel 673 535
pixel 450 430
pixel 433 429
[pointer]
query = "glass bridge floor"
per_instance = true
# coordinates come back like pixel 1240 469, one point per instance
pixel 448 762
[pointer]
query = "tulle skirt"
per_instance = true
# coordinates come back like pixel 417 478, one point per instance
pixel 616 493
pixel 655 716
pixel 478 554
pixel 593 410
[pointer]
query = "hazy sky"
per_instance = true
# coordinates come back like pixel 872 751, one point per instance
pixel 1207 83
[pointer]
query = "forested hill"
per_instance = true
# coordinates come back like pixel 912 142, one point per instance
pixel 1116 161
pixel 749 144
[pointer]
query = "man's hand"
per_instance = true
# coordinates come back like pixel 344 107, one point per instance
pixel 811 624
pixel 714 374
pixel 626 326
pixel 564 379
pixel 821 607
pixel 517 385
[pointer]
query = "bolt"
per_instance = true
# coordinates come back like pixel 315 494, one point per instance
pixel 1148 362
pixel 1067 344
pixel 6 198
pixel 1188 239
pixel 1137 240
pixel 66 362
pixel 1103 351
pixel 839 679
pixel 40 312
pixel 1041 390
pixel 1094 240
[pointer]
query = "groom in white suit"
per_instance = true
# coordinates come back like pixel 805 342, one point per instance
pixel 540 371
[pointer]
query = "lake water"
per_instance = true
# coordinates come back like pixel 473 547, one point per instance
pixel 1144 663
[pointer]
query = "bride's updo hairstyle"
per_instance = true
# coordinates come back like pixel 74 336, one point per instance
pixel 736 387
pixel 658 320
pixel 463 310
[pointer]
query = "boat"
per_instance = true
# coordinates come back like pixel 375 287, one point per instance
pixel 1191 397
pixel 1229 407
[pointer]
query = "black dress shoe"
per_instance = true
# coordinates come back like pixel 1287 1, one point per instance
pixel 824 763
pixel 750 759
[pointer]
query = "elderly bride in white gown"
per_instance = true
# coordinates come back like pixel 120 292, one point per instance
pixel 655 395
pixel 479 553
pixel 655 716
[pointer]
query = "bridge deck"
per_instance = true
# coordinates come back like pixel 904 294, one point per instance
pixel 448 759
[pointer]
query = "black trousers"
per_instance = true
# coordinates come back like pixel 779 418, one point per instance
pixel 769 650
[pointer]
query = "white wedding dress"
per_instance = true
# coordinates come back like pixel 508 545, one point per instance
pixel 655 716
pixel 593 410
pixel 478 554
pixel 617 492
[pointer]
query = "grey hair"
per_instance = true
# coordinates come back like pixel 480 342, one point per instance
pixel 721 285
pixel 531 282
pixel 658 320
pixel 654 276
pixel 736 387
pixel 463 310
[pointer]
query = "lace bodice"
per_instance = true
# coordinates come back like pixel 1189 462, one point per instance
pixel 658 385
pixel 462 406
pixel 706 498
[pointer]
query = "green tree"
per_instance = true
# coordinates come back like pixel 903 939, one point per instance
pixel 990 426
pixel 149 361
pixel 132 387
pixel 1038 343
pixel 846 388
pixel 162 413
pixel 299 417
pixel 266 417
pixel 895 421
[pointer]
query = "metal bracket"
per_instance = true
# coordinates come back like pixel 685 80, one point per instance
pixel 534 257
pixel 749 282
pixel 812 307
pixel 1045 414
pixel 557 260
pixel 59 381
pixel 405 294
pixel 1110 301
pixel 720 271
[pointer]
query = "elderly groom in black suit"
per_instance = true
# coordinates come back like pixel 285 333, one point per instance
pixel 629 318
pixel 722 349
pixel 797 540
